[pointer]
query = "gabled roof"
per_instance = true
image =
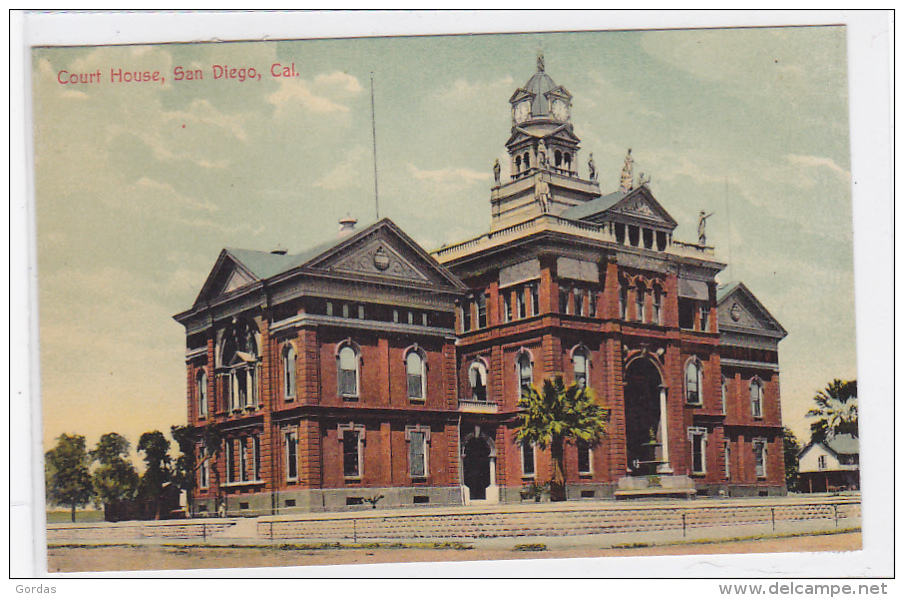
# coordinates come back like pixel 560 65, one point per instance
pixel 740 311
pixel 841 444
pixel 405 261
pixel 637 203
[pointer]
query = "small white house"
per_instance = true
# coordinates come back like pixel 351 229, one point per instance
pixel 831 465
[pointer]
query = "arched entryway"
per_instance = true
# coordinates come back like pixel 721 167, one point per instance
pixel 646 432
pixel 478 464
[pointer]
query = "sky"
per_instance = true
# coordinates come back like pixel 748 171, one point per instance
pixel 138 186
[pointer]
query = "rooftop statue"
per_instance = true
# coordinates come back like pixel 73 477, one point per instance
pixel 627 174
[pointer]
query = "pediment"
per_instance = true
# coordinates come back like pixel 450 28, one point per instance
pixel 739 310
pixel 384 252
pixel 227 275
pixel 640 204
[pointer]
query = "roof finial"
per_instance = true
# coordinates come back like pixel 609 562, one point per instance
pixel 541 65
pixel 627 174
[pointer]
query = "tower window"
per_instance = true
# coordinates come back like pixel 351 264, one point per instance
pixel 517 163
pixel 558 158
pixel 482 310
pixel 527 161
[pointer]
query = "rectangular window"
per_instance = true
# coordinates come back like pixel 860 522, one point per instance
pixel 724 394
pixel 345 310
pixel 591 304
pixel 329 308
pixel 256 458
pixel 564 307
pixel 482 311
pixel 535 299
pixel 698 450
pixel 417 454
pixel 395 316
pixel 360 312
pixel 466 316
pixel 522 302
pixel 506 302
pixel 759 453
pixel 585 459
pixel 351 455
pixel 579 302
pixel 291 455
pixel 821 462
pixel 686 313
pixel 204 469
pixel 424 319
pixel 230 461
pixel 528 461
pixel 727 450
pixel 243 459
pixel 704 317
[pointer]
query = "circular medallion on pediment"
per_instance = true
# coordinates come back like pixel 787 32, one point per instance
pixel 381 260
pixel 735 312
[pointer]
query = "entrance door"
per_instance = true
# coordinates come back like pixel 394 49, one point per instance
pixel 642 418
pixel 476 464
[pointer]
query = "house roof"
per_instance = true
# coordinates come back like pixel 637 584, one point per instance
pixel 843 444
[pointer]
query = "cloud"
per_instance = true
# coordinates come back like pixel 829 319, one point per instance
pixel 448 176
pixel 820 162
pixel 341 81
pixel 202 112
pixel 315 96
pixel 347 174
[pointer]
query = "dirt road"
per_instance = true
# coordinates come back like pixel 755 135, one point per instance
pixel 143 558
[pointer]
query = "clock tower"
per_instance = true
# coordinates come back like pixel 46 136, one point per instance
pixel 543 155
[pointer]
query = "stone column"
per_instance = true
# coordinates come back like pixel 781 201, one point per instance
pixel 665 467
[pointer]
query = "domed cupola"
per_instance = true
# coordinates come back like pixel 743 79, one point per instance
pixel 541 99
pixel 543 152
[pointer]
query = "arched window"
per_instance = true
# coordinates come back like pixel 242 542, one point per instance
pixel 581 360
pixel 289 361
pixel 525 371
pixel 657 305
pixel 477 378
pixel 416 365
pixel 640 301
pixel 238 365
pixel 526 160
pixel 349 366
pixel 558 158
pixel 693 382
pixel 756 397
pixel 201 393
pixel 517 163
pixel 623 300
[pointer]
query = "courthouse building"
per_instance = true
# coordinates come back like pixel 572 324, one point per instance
pixel 370 371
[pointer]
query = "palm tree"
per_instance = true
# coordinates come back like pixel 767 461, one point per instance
pixel 835 411
pixel 555 414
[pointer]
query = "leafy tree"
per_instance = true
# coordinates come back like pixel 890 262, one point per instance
pixel 556 413
pixel 158 472
pixel 835 411
pixel 792 450
pixel 187 463
pixel 67 479
pixel 115 479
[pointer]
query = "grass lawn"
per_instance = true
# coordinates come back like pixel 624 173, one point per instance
pixel 80 516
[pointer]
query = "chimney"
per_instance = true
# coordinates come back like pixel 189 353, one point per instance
pixel 347 226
